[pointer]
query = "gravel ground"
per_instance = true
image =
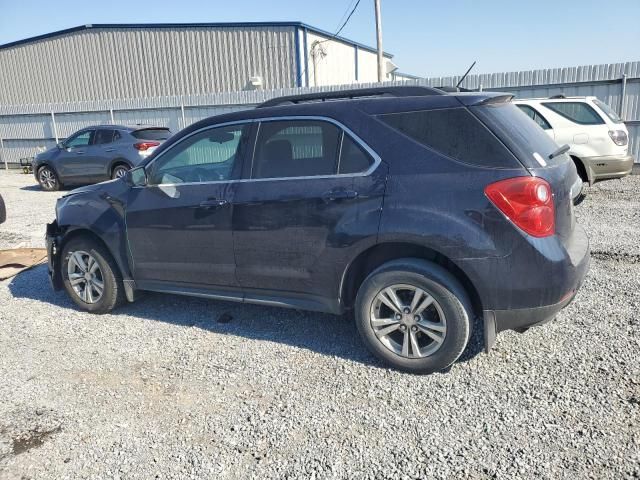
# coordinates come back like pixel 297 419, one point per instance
pixel 163 389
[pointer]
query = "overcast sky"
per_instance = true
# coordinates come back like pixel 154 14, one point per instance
pixel 427 37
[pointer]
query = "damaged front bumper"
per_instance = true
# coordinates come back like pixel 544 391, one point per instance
pixel 52 239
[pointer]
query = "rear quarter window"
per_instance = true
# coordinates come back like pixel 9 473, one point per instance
pixel 523 137
pixel 454 132
pixel 152 134
pixel 577 112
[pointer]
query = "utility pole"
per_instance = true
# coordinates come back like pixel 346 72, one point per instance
pixel 381 75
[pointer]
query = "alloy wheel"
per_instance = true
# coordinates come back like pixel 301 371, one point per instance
pixel 47 178
pixel 119 172
pixel 408 321
pixel 85 276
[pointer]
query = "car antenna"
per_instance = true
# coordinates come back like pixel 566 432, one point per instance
pixel 465 74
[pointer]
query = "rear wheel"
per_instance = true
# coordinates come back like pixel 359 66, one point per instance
pixel 91 276
pixel 119 171
pixel 48 179
pixel 413 315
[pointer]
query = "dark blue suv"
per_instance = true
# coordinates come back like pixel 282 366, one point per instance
pixel 418 210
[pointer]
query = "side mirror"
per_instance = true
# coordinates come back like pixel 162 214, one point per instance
pixel 136 177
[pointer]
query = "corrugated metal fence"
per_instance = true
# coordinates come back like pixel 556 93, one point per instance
pixel 27 129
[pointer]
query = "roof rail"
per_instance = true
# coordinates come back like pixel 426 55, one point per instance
pixel 413 91
pixel 553 97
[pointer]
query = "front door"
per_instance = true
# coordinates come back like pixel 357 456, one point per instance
pixel 179 225
pixel 74 158
pixel 309 198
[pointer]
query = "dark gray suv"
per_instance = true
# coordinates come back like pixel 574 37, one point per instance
pixel 96 154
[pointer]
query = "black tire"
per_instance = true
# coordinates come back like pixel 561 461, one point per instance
pixel 113 293
pixel 3 211
pixel 45 173
pixel 449 296
pixel 118 170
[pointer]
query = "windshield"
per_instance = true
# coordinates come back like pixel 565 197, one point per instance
pixel 608 111
pixel 520 134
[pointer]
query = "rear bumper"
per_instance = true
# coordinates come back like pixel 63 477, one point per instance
pixel 610 166
pixel 550 286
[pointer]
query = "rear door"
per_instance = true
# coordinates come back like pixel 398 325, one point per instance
pixel 179 225
pixel 311 192
pixel 101 153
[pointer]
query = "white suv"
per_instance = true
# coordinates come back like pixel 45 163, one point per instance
pixel 597 137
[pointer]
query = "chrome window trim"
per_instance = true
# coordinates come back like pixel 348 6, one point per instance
pixel 376 158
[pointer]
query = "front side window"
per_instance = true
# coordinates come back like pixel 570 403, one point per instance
pixel 210 155
pixel 535 116
pixel 80 140
pixel 296 148
pixel 578 112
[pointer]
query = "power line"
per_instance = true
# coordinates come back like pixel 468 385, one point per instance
pixel 332 36
pixel 348 18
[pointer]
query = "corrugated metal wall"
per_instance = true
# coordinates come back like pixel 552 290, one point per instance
pixel 147 62
pixel 25 129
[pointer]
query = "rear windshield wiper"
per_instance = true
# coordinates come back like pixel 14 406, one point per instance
pixel 563 149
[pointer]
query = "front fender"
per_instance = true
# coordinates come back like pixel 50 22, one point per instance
pixel 101 213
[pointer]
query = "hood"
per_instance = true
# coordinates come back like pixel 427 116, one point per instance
pixel 109 187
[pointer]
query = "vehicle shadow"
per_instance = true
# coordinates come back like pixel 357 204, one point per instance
pixel 325 334
pixel 32 188
pixel 37 188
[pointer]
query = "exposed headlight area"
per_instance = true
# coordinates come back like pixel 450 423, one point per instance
pixel 619 137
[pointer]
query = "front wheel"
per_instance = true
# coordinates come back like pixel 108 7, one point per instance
pixel 413 315
pixel 91 277
pixel 48 179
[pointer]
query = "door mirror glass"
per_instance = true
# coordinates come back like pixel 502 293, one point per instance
pixel 136 177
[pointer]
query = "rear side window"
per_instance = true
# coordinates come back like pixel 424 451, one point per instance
pixel 577 112
pixel 152 134
pixel 103 136
pixel 297 148
pixel 353 158
pixel 609 112
pixel 454 132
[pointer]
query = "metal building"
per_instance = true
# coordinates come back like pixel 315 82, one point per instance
pixel 107 61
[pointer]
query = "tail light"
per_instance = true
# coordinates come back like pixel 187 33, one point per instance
pixel 143 146
pixel 619 137
pixel 527 202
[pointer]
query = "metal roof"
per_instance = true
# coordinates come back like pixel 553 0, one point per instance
pixel 138 26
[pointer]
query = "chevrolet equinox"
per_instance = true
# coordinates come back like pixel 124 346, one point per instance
pixel 418 210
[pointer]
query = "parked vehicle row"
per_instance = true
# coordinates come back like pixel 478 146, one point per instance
pixel 597 136
pixel 415 209
pixel 96 154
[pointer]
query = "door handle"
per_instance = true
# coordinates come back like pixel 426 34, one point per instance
pixel 109 149
pixel 79 152
pixel 333 195
pixel 213 203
